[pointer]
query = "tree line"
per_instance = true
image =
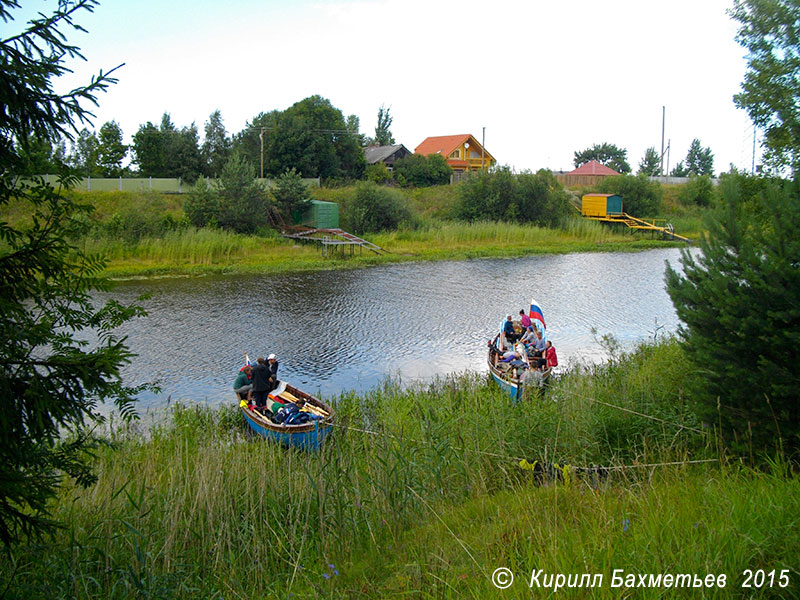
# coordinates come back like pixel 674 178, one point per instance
pixel 699 161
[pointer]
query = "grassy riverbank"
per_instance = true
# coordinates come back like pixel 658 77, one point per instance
pixel 192 251
pixel 147 234
pixel 420 493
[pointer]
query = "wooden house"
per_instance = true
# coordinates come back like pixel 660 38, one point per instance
pixel 462 152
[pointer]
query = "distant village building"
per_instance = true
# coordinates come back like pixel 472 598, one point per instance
pixel 588 173
pixel 462 152
pixel 385 154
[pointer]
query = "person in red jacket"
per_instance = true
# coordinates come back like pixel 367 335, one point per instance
pixel 550 359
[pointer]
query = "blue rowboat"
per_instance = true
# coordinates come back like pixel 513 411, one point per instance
pixel 510 380
pixel 306 436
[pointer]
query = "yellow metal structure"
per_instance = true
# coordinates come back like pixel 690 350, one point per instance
pixel 601 205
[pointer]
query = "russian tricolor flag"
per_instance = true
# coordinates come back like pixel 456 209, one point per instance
pixel 536 313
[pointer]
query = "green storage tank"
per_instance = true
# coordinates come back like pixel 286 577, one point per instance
pixel 319 214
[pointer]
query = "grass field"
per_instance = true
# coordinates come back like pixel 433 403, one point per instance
pixel 421 493
pixel 146 234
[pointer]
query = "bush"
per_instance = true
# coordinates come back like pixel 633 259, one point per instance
pixel 290 193
pixel 698 190
pixel 501 195
pixel 418 170
pixel 378 173
pixel 640 196
pixel 242 201
pixel 375 208
pixel 201 205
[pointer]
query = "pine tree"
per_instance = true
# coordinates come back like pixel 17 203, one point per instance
pixel 740 303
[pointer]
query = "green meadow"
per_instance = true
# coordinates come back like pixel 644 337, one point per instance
pixel 144 234
pixel 424 492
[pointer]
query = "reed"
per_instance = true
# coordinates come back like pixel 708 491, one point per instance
pixel 419 491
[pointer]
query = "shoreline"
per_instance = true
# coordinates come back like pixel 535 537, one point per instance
pixel 308 259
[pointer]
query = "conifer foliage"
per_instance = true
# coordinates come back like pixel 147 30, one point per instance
pixel 51 379
pixel 739 299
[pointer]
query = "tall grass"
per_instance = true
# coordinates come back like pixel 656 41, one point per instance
pixel 409 477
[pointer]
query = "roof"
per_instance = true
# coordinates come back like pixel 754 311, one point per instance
pixel 444 144
pixel 593 168
pixel 375 154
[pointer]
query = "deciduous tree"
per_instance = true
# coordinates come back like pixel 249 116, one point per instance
pixel 383 133
pixel 111 151
pixel 699 160
pixel 606 154
pixel 770 31
pixel 651 163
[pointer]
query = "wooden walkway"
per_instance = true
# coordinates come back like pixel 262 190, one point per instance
pixel 635 223
pixel 638 224
pixel 331 240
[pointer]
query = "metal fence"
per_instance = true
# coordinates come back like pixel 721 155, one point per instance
pixel 149 184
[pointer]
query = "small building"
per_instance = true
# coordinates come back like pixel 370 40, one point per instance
pixel 601 205
pixel 385 154
pixel 318 214
pixel 589 173
pixel 462 152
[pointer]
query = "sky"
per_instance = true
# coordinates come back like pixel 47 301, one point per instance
pixel 537 80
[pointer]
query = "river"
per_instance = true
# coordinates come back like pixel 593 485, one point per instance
pixel 335 331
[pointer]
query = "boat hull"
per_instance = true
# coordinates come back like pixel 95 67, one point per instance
pixel 306 436
pixel 509 385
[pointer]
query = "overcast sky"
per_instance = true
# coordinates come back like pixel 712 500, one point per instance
pixel 544 78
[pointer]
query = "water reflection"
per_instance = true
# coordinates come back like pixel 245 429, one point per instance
pixel 340 330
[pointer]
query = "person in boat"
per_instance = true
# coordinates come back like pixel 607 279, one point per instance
pixel 510 356
pixel 529 337
pixel 524 320
pixel 244 382
pixel 539 345
pixel 550 359
pixel 509 331
pixel 272 365
pixel 261 382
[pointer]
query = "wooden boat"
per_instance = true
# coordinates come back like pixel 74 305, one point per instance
pixel 513 379
pixel 307 436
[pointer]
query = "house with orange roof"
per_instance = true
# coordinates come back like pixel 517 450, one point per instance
pixel 462 152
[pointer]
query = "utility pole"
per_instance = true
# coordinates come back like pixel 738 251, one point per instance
pixel 483 151
pixel 261 137
pixel 663 118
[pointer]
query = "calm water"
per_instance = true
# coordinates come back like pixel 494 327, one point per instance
pixel 349 330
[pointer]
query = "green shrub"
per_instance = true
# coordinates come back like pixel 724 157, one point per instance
pixel 501 195
pixel 289 192
pixel 418 170
pixel 378 173
pixel 375 208
pixel 201 205
pixel 698 190
pixel 640 196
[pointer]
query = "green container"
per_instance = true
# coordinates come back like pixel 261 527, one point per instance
pixel 319 214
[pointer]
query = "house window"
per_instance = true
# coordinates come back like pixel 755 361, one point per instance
pixel 456 154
